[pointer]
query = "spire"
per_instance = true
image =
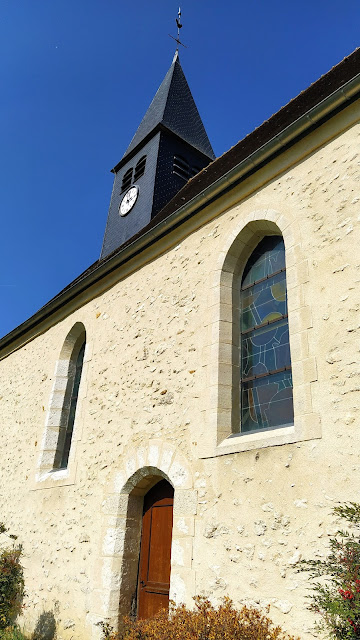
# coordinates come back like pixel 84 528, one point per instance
pixel 174 108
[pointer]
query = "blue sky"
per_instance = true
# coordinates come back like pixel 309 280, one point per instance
pixel 76 78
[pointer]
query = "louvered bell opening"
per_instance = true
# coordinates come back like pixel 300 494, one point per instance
pixel 127 179
pixel 194 171
pixel 181 168
pixel 140 168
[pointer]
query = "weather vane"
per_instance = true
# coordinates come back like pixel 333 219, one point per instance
pixel 179 26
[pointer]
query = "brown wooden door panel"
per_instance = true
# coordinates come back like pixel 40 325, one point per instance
pixel 150 604
pixel 156 588
pixel 159 554
pixel 155 552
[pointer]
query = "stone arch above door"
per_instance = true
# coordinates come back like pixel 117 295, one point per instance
pixel 140 469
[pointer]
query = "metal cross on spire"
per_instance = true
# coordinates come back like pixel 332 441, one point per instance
pixel 179 26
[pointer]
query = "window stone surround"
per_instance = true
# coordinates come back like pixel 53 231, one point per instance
pixel 221 359
pixel 57 416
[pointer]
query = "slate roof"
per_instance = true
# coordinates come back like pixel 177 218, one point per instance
pixel 174 108
pixel 319 90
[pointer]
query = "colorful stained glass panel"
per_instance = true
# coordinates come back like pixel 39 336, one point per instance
pixel 267 402
pixel 266 392
pixel 264 302
pixel 268 257
pixel 265 350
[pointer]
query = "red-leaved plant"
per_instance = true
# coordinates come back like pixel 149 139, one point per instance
pixel 11 580
pixel 337 598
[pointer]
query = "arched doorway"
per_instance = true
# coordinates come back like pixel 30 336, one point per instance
pixel 155 550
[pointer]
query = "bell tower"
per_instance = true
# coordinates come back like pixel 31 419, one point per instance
pixel 169 147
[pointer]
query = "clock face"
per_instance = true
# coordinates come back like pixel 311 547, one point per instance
pixel 128 200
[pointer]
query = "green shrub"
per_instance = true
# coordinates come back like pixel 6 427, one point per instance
pixel 204 622
pixel 12 633
pixel 337 598
pixel 11 581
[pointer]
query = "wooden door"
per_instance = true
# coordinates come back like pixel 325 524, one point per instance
pixel 155 550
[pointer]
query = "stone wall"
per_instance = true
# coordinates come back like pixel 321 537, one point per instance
pixel 244 516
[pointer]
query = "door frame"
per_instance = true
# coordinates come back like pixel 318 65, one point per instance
pixel 114 574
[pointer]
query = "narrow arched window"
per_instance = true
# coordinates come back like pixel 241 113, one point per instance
pixel 61 417
pixel 75 383
pixel 140 168
pixel 127 179
pixel 266 380
pixel 70 398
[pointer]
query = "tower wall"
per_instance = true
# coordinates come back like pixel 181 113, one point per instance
pixel 118 228
pixel 172 112
pixel 167 183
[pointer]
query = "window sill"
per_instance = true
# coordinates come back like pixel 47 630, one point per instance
pixel 256 440
pixel 55 478
pixel 306 427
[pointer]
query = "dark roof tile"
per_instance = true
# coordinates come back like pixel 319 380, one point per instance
pixel 174 107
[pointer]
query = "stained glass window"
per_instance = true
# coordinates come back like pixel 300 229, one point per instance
pixel 266 380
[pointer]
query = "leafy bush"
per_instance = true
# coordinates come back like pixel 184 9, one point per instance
pixel 12 633
pixel 337 598
pixel 205 622
pixel 11 581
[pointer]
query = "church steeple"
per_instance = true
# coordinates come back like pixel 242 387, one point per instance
pixel 174 108
pixel 169 147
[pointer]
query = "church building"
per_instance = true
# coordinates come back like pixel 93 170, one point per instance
pixel 182 418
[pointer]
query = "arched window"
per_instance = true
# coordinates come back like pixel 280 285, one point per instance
pixel 127 179
pixel 140 168
pixel 74 378
pixel 60 419
pixel 266 380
